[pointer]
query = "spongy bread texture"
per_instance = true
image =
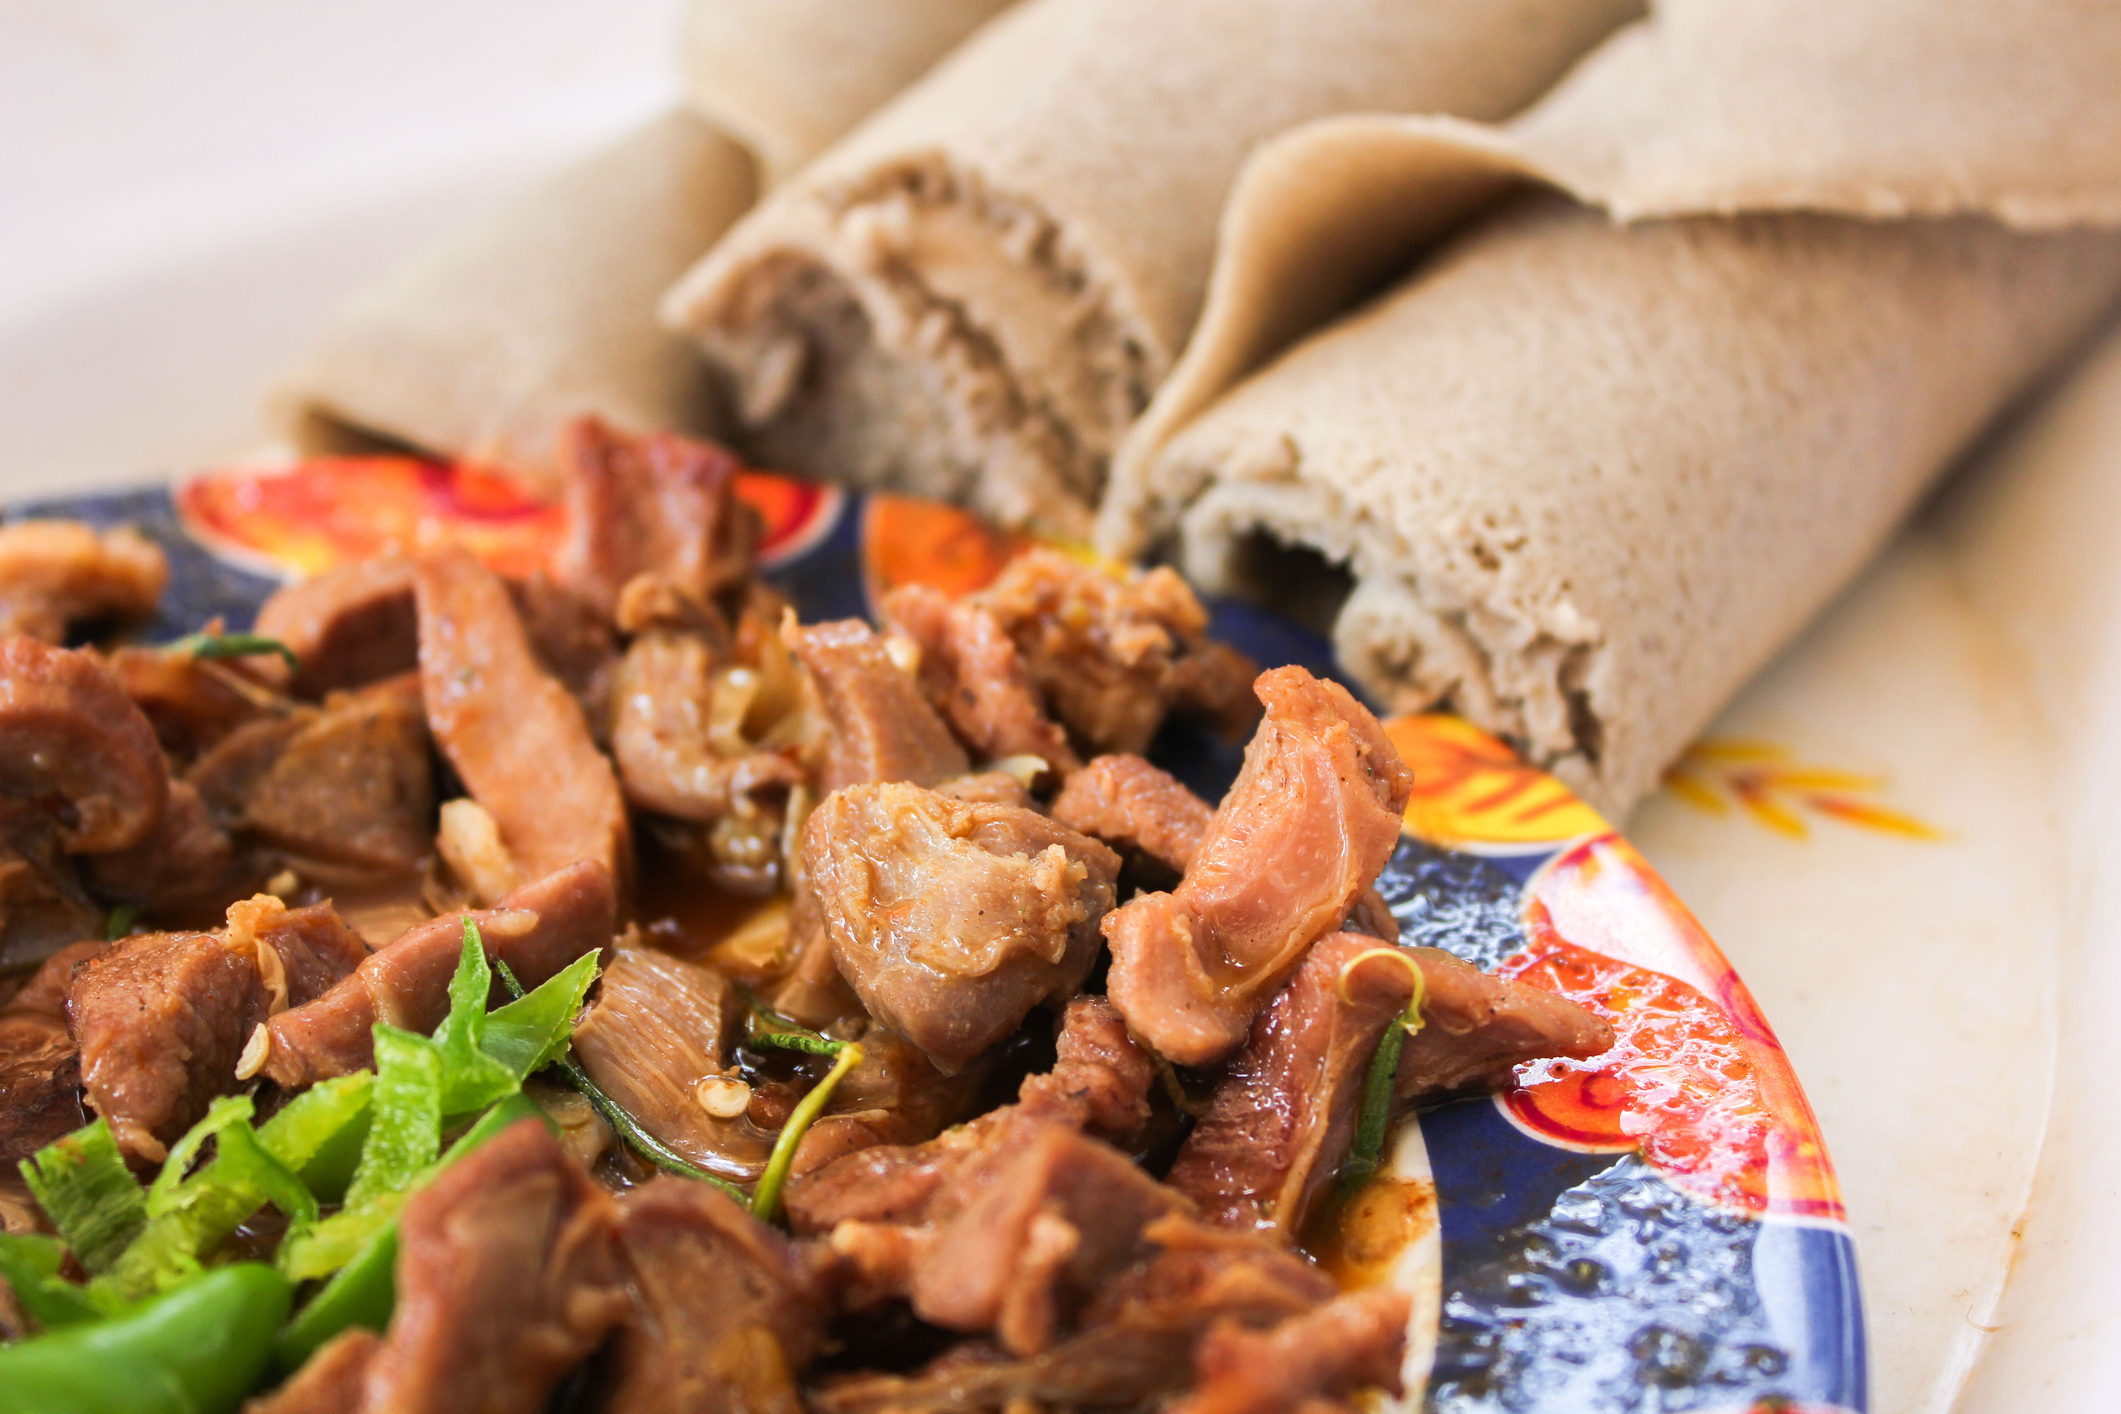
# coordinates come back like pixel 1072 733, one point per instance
pixel 1588 477
pixel 976 291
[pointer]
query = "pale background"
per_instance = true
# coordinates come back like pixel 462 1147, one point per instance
pixel 185 185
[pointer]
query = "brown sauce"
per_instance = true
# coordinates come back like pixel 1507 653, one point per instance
pixel 1358 1239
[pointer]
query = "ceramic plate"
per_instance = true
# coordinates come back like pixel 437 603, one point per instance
pixel 1657 1229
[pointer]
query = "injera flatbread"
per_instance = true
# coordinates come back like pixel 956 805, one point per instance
pixel 486 344
pixel 974 293
pixel 1588 479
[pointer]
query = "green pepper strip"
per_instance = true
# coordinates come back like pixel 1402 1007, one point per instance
pixel 120 921
pixel 234 645
pixel 362 1292
pixel 197 1349
pixel 798 1041
pixel 623 1124
pixel 766 1198
pixel 1376 1113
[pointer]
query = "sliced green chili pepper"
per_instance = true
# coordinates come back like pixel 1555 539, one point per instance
pixel 199 1349
pixel 89 1194
pixel 766 1198
pixel 1375 1117
pixel 363 1291
pixel 120 921
pixel 234 645
pixel 29 1264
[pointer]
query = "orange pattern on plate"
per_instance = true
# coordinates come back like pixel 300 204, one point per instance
pixel 305 517
pixel 905 541
pixel 1696 1079
pixel 1471 788
pixel 1773 789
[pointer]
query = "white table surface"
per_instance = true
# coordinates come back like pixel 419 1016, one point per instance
pixel 184 188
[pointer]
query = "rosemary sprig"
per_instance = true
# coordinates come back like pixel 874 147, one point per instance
pixel 624 1124
pixel 234 645
pixel 1375 1116
pixel 766 1198
pixel 798 1041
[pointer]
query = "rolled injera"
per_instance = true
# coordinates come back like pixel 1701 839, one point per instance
pixel 486 344
pixel 973 293
pixel 1588 477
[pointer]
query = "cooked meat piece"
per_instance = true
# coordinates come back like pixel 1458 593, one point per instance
pixel 58 572
pixel 659 1028
pixel 40 1070
pixel 953 920
pixel 1310 821
pixel 1135 808
pixel 229 772
pixel 813 991
pixel 40 1084
pixel 329 1382
pixel 882 729
pixel 508 1277
pixel 1048 1228
pixel 537 930
pixel 73 744
pixel 186 861
pixel 726 1317
pixel 46 991
pixel 353 787
pixel 1099 1082
pixel 162 1018
pixel 1112 655
pixel 895 1096
pixel 42 905
pixel 1350 1343
pixel 1137 1336
pixel 1476 1029
pixel 662 703
pixel 971 671
pixel 192 702
pixel 1281 1118
pixel 516 738
pixel 654 503
pixel 348 626
pixel 571 636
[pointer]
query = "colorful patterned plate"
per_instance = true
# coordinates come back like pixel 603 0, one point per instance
pixel 1658 1229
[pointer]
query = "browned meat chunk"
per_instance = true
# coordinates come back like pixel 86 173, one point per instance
pixel 662 1029
pixel 662 711
pixel 1137 1334
pixel 536 930
pixel 895 1096
pixel 654 504
pixel 162 1018
pixel 1099 1082
pixel 1351 1343
pixel 229 772
pixel 1112 655
pixel 1281 1119
pixel 516 738
pixel 42 905
pixel 1305 829
pixel 573 639
pixel 507 1278
pixel 73 744
pixel 192 702
pixel 186 861
pixel 351 792
pixel 813 991
pixel 881 728
pixel 953 920
pixel 989 788
pixel 57 572
pixel 971 671
pixel 1135 808
pixel 726 1317
pixel 40 1070
pixel 1476 1029
pixel 347 626
pixel 329 1382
